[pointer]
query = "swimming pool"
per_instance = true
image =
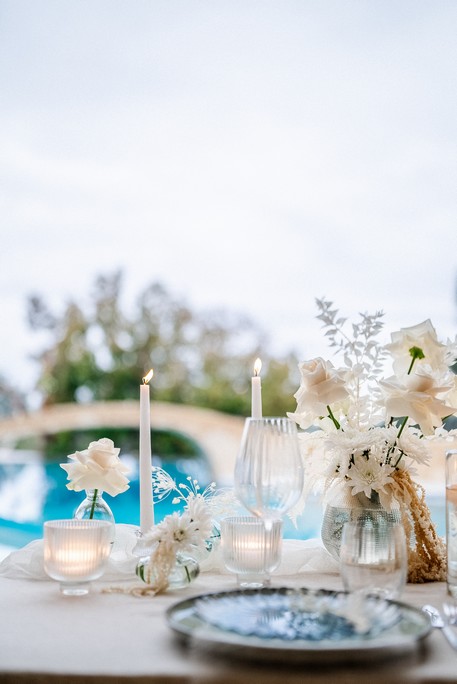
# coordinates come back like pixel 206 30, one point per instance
pixel 33 492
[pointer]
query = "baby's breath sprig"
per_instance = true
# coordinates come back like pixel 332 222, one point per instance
pixel 193 489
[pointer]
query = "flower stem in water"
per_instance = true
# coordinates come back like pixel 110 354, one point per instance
pixel 92 509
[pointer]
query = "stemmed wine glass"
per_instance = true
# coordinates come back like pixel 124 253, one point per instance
pixel 269 469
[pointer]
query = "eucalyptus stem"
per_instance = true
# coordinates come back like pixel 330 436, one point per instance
pixel 332 417
pixel 92 508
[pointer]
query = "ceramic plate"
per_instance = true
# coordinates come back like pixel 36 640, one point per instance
pixel 300 625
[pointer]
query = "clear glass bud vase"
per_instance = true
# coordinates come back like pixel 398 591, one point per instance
pixel 94 507
pixel 184 571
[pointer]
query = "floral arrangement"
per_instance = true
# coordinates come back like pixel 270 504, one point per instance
pixel 179 534
pixel 97 468
pixel 363 434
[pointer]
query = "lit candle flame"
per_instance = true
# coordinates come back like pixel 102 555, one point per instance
pixel 257 367
pixel 148 376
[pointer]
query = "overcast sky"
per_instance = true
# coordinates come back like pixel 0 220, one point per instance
pixel 250 155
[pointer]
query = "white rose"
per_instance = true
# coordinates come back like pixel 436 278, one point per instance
pixel 321 385
pixel 97 467
pixel 419 398
pixel 423 336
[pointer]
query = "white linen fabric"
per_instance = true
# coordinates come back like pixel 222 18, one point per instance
pixel 297 556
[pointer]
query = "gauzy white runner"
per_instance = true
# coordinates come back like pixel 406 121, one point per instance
pixel 297 556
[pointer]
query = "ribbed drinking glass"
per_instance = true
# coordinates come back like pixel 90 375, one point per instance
pixel 269 469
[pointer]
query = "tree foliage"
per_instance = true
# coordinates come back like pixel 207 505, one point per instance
pixel 101 350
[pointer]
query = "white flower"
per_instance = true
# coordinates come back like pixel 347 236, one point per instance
pixel 200 518
pixel 369 474
pixel 358 447
pixel 175 531
pixel 422 336
pixel 186 531
pixel 321 385
pixel 412 444
pixel 97 467
pixel 418 398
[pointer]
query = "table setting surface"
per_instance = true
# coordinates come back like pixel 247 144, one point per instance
pixel 112 635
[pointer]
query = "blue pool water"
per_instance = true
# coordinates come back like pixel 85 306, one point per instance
pixel 34 492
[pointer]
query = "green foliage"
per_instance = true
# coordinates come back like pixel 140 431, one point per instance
pixel 11 401
pixel 101 352
pixel 168 445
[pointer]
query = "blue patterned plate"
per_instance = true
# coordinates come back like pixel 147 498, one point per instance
pixel 307 625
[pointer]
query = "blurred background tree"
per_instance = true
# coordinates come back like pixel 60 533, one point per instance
pixel 100 351
pixel 11 401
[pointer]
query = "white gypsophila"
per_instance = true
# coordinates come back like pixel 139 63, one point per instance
pixel 97 467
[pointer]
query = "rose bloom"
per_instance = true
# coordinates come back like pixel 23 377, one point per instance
pixel 97 467
pixel 422 336
pixel 321 385
pixel 418 398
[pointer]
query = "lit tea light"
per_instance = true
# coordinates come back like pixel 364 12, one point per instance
pixel 251 550
pixel 75 552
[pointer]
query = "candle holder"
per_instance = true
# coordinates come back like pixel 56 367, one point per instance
pixel 75 552
pixel 251 549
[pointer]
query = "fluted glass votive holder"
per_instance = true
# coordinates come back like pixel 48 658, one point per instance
pixel 251 549
pixel 75 552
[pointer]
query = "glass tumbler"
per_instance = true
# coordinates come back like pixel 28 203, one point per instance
pixel 75 552
pixel 451 521
pixel 373 558
pixel 250 549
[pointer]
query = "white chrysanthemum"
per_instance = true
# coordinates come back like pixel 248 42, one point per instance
pixel 369 475
pixel 182 532
pixel 200 518
pixel 413 446
pixel 176 531
pixel 352 443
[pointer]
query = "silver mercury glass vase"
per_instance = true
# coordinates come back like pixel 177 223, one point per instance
pixel 348 508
